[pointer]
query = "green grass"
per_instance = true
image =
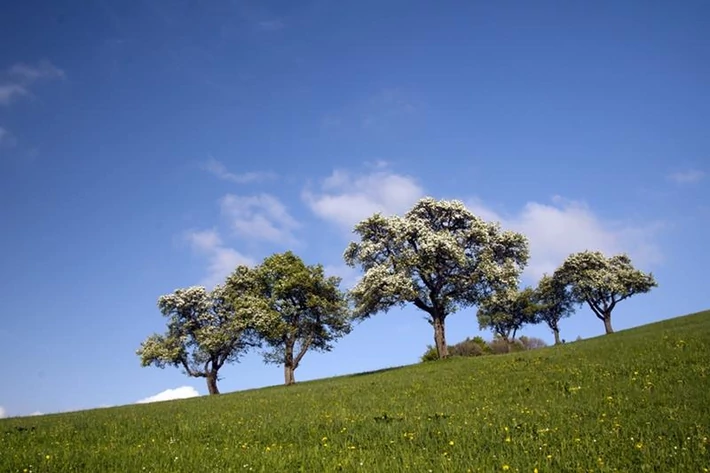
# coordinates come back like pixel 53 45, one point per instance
pixel 637 400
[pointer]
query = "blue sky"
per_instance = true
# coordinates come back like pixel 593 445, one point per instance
pixel 151 145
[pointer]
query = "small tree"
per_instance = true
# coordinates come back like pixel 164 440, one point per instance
pixel 555 302
pixel 506 311
pixel 299 308
pixel 603 282
pixel 439 257
pixel 204 332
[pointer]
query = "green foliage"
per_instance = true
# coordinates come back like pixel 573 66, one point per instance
pixel 506 311
pixel 634 402
pixel 439 257
pixel 430 354
pixel 297 306
pixel 555 302
pixel 204 332
pixel 603 282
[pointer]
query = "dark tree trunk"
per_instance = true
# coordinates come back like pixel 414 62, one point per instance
pixel 556 331
pixel 440 335
pixel 212 383
pixel 289 365
pixel 607 324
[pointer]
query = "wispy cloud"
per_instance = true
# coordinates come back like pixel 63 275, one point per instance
pixel 260 217
pixel 28 73
pixel 219 170
pixel 9 92
pixel 345 198
pixel 377 112
pixel 687 177
pixel 3 412
pixel 182 392
pixel 36 413
pixel 271 25
pixel 17 80
pixel 221 260
pixel 557 230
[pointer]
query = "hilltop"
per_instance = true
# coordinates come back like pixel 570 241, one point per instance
pixel 635 400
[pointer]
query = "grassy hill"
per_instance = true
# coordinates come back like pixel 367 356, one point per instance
pixel 637 400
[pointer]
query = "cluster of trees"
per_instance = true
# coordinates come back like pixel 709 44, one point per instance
pixel 439 257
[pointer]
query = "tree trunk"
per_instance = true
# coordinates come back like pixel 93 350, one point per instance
pixel 607 324
pixel 556 331
pixel 440 336
pixel 289 377
pixel 289 365
pixel 212 383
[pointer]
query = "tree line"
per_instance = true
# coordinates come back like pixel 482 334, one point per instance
pixel 438 256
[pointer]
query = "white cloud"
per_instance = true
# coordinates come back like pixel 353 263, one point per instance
pixel 37 413
pixel 20 77
pixel 687 177
pixel 346 199
pixel 182 392
pixel 220 170
pixel 221 259
pixel 259 217
pixel 3 413
pixel 555 231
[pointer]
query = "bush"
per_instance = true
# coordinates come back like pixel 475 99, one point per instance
pixel 531 343
pixel 466 348
pixel 430 354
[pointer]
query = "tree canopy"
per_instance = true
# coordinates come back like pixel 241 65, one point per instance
pixel 506 311
pixel 555 302
pixel 603 282
pixel 299 308
pixel 203 333
pixel 439 256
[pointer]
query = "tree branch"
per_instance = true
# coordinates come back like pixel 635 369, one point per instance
pixel 594 308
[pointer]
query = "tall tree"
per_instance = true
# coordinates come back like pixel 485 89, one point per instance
pixel 603 282
pixel 204 332
pixel 555 302
pixel 300 308
pixel 439 257
pixel 506 311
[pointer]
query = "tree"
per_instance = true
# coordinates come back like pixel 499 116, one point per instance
pixel 300 309
pixel 506 311
pixel 204 332
pixel 603 282
pixel 439 257
pixel 555 302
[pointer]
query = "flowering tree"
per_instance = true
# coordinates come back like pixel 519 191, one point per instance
pixel 603 282
pixel 299 308
pixel 439 257
pixel 554 302
pixel 506 311
pixel 204 332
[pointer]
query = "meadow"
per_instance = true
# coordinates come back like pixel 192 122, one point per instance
pixel 636 400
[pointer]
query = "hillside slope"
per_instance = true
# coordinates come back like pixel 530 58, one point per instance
pixel 636 400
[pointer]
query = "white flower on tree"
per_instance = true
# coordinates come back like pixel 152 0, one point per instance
pixel 204 332
pixel 603 282
pixel 439 256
